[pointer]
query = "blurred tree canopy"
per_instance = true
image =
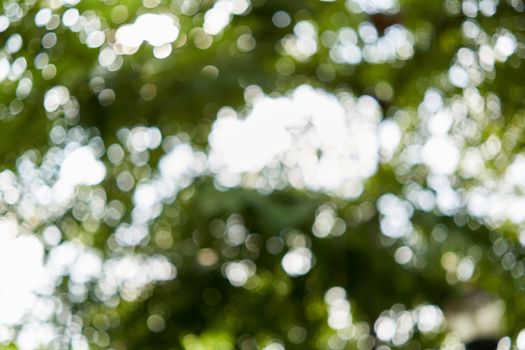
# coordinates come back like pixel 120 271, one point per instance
pixel 261 174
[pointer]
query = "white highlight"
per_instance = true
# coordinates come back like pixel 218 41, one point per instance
pixel 21 272
pixel 310 139
pixel 297 262
pixel 80 167
pixel 155 29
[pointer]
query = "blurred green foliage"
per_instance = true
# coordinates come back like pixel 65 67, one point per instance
pixel 181 94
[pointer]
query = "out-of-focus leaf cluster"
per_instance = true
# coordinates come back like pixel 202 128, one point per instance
pixel 387 213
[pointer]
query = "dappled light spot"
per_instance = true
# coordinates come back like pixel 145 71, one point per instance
pixel 398 325
pixel 297 262
pixel 303 44
pixel 396 214
pixel 155 29
pixel 80 167
pixel 332 151
pixel 373 6
pixel 441 155
pixel 397 43
pixel 220 15
pixel 520 340
pixel 327 223
pixel 21 256
pixel 238 272
pixel 339 309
